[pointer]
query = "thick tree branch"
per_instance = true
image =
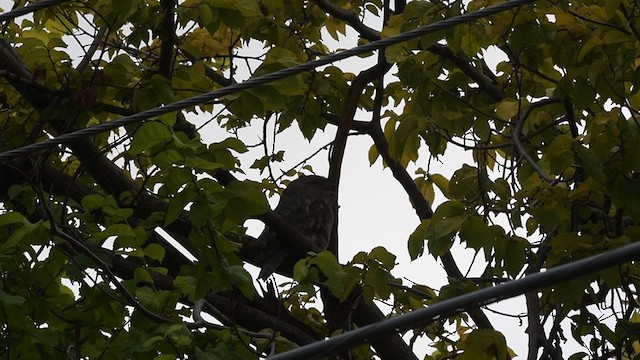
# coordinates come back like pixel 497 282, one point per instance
pixel 167 34
pixel 357 125
pixel 391 347
pixel 242 312
pixel 349 17
pixel 209 72
pixel 344 126
pixel 423 210
pixel 364 314
pixel 420 204
pixel 109 176
pixel 484 79
pixel 348 112
pixel 253 314
pixel 92 49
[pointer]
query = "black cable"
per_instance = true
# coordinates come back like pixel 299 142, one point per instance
pixel 198 99
pixel 464 303
pixel 29 9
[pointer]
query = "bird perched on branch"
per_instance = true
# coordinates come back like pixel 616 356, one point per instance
pixel 310 205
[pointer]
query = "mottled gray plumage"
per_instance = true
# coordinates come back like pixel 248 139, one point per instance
pixel 309 204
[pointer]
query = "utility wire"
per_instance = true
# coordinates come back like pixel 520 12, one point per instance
pixel 202 98
pixel 463 303
pixel 29 9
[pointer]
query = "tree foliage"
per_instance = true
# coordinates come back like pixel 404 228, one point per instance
pixel 553 130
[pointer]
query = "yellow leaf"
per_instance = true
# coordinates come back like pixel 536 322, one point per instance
pixel 507 109
pixel 441 182
pixel 373 154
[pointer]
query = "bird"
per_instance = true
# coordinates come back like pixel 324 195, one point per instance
pixel 310 205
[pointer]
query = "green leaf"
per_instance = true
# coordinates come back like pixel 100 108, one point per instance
pixel 150 134
pixel 234 144
pixel 12 218
pixel 515 256
pixel 244 199
pixel 198 163
pixel 93 201
pixel 507 109
pixel 464 183
pixel 122 231
pixel 387 259
pixel 441 182
pixel 177 205
pixel 147 297
pixel 560 153
pixel 154 251
pixel 378 281
pixel 373 154
pixel 591 163
pixel 416 240
pixel 9 300
pixel 426 188
pixel 502 188
pixel 199 211
pixel 440 235
pixel 477 234
pixel 445 223
pixel 484 344
pixel 164 94
pixel 244 7
pixel 301 270
pixel 142 276
pixel 332 270
pixel 241 278
pixel 187 285
pixel 626 192
pixel 261 163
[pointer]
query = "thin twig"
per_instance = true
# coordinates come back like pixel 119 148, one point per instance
pixel 55 230
pixel 518 130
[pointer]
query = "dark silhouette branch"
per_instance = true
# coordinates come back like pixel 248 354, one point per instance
pixel 209 72
pixel 419 202
pixel 166 35
pixel 82 66
pixel 518 132
pixel 241 311
pixel 484 79
pixel 350 18
pixel 79 245
pixel 348 112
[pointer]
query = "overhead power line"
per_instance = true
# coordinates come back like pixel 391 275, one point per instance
pixel 463 303
pixel 10 15
pixel 260 80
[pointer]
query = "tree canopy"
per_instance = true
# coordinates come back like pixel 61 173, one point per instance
pixel 552 126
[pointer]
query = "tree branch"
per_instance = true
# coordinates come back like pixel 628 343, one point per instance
pixel 349 111
pixel 166 34
pixel 350 18
pixel 485 82
pixel 92 49
pixel 423 209
pixel 518 131
pixel 209 72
